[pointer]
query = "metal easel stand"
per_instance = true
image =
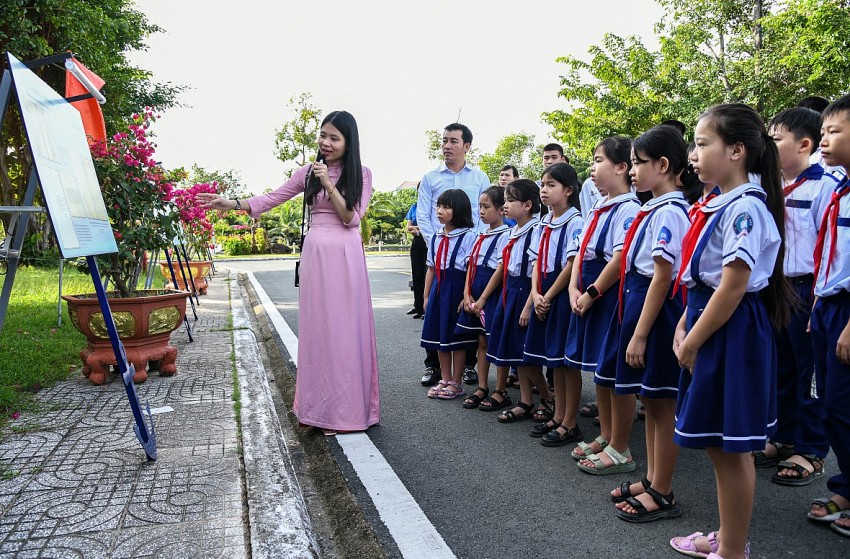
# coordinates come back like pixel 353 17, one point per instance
pixel 174 281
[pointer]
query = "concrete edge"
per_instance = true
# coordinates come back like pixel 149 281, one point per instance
pixel 279 520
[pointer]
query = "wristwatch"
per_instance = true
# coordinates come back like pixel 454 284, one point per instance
pixel 593 292
pixel 238 204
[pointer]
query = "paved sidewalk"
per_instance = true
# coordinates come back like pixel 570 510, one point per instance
pixel 76 483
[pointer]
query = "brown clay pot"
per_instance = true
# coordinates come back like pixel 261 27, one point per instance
pixel 144 325
pixel 200 269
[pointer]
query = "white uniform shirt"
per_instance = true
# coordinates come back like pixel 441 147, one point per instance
pixel 462 253
pixel 803 215
pixel 620 219
pixel 662 232
pixel 569 224
pixel 517 253
pixel 745 230
pixel 588 196
pixel 839 270
pixel 491 235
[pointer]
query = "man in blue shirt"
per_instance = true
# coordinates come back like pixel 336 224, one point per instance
pixel 454 172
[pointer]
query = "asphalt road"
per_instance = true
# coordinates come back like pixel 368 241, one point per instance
pixel 493 491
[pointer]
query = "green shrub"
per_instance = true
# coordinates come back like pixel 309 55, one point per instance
pixel 236 245
pixel 261 240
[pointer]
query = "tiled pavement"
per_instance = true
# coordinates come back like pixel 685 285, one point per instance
pixel 76 482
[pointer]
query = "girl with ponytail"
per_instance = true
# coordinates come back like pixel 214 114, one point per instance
pixel 732 258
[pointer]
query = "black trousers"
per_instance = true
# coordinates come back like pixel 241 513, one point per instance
pixel 418 268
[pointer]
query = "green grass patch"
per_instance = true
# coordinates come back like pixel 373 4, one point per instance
pixel 34 352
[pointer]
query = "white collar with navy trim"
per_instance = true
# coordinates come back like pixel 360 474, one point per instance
pixel 519 232
pixel 551 223
pixel 675 196
pixel 724 199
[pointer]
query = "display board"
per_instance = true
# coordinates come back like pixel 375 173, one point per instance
pixel 64 167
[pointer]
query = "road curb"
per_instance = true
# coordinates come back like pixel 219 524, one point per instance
pixel 279 521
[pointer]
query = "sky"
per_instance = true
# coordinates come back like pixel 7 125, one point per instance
pixel 399 67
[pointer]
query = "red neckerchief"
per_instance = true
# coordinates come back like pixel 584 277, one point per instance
pixel 830 221
pixel 473 260
pixel 689 243
pixel 624 256
pixel 506 257
pixel 698 205
pixel 786 191
pixel 442 256
pixel 543 257
pixel 597 213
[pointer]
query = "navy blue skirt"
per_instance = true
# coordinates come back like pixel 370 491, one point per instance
pixel 660 378
pixel 438 331
pixel 468 323
pixel 544 343
pixel 507 338
pixel 586 333
pixel 730 399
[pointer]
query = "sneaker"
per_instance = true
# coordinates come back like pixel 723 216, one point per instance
pixel 470 376
pixel 431 376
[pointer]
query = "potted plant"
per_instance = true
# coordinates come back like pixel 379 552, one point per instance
pixel 198 234
pixel 136 189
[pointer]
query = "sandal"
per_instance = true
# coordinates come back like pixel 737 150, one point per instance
pixel 687 544
pixel 587 449
pixel 451 391
pixel 621 463
pixel 666 503
pixel 804 476
pixel 513 381
pixel 556 438
pixel 544 412
pixel 491 404
pixel 541 429
pixel 435 390
pixel 783 452
pixel 590 409
pixel 509 416
pixel 834 510
pixel 474 400
pixel 626 492
pixel 844 531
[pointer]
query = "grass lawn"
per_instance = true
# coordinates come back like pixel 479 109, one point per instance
pixel 33 351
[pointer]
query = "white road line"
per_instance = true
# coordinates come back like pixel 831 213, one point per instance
pixel 414 534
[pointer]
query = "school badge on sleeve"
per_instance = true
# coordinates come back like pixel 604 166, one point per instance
pixel 664 236
pixel 743 224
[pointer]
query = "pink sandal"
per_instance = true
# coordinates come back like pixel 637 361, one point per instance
pixel 687 544
pixel 451 391
pixel 434 391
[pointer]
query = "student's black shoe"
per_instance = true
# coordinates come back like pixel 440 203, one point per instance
pixel 431 377
pixel 419 315
pixel 412 311
pixel 470 376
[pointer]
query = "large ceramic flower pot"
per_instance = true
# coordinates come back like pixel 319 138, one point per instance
pixel 144 325
pixel 200 269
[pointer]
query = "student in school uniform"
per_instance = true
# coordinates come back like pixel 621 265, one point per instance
pixel 483 261
pixel 554 247
pixel 732 258
pixel 799 446
pixel 638 349
pixel 514 307
pixel 593 292
pixel 831 318
pixel 444 283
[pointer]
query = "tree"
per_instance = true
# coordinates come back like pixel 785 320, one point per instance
pixel 229 182
pixel 768 54
pixel 296 141
pixel 101 33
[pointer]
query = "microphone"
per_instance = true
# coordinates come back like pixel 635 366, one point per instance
pixel 320 157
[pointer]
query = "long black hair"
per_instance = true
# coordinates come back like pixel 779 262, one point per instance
pixel 737 123
pixel 565 174
pixel 458 201
pixel 666 141
pixel 350 183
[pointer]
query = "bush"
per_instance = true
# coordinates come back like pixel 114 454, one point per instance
pixel 236 245
pixel 222 228
pixel 261 240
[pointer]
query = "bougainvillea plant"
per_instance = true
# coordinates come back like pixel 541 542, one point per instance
pixel 196 226
pixel 137 192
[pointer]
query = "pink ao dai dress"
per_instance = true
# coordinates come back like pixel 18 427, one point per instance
pixel 336 384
